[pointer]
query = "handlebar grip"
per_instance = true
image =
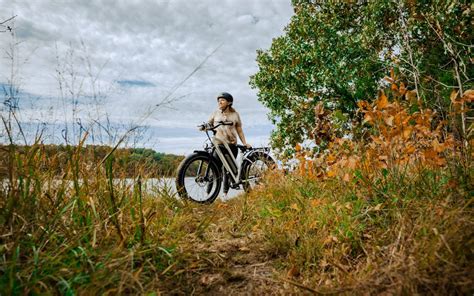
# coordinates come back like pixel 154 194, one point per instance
pixel 204 126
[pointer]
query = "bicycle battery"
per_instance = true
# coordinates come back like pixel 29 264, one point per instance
pixel 230 160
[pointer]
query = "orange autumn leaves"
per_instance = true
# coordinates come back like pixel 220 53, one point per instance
pixel 399 137
pixel 394 138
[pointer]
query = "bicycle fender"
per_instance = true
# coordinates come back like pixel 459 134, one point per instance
pixel 211 158
pixel 248 160
pixel 257 154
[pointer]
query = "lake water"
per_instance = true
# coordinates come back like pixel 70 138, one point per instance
pixel 149 185
pixel 169 183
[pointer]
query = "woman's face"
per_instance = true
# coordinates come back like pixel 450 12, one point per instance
pixel 222 103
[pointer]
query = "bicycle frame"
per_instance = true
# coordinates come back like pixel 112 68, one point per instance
pixel 217 142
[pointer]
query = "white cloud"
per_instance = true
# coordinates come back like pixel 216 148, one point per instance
pixel 158 42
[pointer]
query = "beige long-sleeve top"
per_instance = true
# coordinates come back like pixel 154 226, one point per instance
pixel 227 133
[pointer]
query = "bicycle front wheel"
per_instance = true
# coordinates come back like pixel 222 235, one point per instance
pixel 198 179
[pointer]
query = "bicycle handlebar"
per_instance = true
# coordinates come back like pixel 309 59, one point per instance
pixel 208 127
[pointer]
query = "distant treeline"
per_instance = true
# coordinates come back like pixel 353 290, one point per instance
pixel 127 161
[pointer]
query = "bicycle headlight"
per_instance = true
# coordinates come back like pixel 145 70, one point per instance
pixel 206 145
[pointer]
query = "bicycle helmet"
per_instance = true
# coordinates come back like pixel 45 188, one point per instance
pixel 227 96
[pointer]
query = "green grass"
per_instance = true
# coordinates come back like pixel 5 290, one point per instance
pixel 89 231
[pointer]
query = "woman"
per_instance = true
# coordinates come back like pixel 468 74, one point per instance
pixel 227 133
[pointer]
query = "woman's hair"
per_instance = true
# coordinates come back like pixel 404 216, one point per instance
pixel 231 109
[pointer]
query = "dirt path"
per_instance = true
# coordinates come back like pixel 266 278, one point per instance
pixel 237 264
pixel 236 268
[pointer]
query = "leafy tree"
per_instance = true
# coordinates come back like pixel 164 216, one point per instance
pixel 338 54
pixel 436 41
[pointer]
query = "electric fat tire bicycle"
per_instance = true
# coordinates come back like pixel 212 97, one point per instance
pixel 201 175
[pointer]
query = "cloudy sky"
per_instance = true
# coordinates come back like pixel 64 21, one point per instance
pixel 116 60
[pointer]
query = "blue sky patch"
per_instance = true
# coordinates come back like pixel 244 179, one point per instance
pixel 135 83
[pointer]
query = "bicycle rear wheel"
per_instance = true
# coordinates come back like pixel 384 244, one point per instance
pixel 198 179
pixel 254 168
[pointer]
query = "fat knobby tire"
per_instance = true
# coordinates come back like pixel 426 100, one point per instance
pixel 184 165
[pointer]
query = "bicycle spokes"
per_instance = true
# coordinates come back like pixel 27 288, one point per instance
pixel 199 179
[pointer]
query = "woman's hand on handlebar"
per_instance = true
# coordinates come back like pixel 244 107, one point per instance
pixel 205 126
pixel 208 126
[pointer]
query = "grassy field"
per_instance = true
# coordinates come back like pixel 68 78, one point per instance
pixel 88 232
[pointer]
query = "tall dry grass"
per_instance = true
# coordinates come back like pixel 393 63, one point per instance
pixel 92 231
pixel 89 229
pixel 405 237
